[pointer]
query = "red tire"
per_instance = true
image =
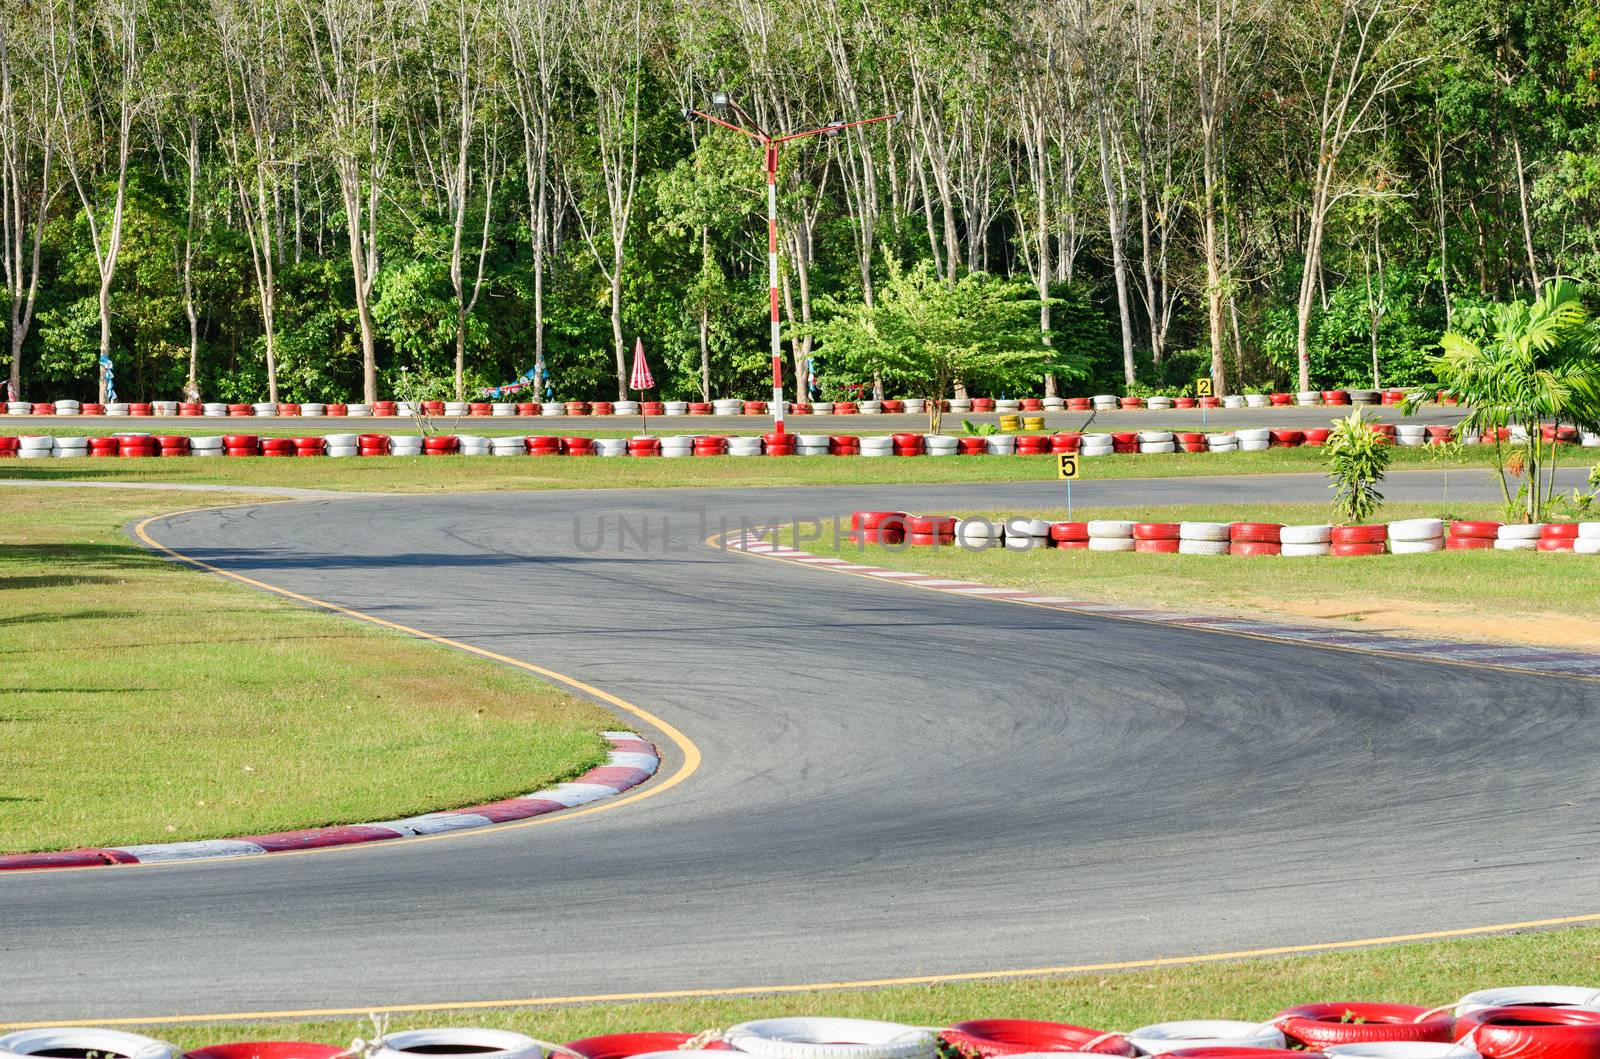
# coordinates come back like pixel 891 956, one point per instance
pixel 1359 535
pixel 1231 1052
pixel 1485 530
pixel 1532 1033
pixel 1554 544
pixel 993 1037
pixel 1356 548
pixel 1125 438
pixel 1317 438
pixel 242 452
pixel 1559 531
pixel 1254 532
pixel 886 535
pixel 1066 442
pixel 1155 531
pixel 1319 1026
pixel 1067 532
pixel 1255 548
pixel 1468 544
pixel 971 446
pixel 941 524
pixel 1158 545
pixel 266 1050
pixel 277 446
pixel 1033 445
pixel 312 446
pixel 602 408
pixel 1071 544
pixel 931 540
pixel 871 520
pixel 1187 438
pixel 241 441
pixel 1287 439
pixel 477 408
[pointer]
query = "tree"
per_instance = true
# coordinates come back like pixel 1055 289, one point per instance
pixel 923 334
pixel 1523 364
pixel 28 185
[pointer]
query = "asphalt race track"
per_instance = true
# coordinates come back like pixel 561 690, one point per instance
pixel 894 782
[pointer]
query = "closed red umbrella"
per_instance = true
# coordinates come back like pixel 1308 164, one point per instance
pixel 641 379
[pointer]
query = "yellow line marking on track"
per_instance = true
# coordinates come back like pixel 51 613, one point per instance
pixel 1062 608
pixel 685 745
pixel 821 987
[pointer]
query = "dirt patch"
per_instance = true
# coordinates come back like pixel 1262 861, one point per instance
pixel 1382 616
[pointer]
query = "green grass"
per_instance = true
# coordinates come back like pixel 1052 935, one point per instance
pixel 473 473
pixel 149 702
pixel 1425 974
pixel 1525 597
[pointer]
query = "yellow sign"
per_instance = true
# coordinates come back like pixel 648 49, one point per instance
pixel 1067 465
pixel 1202 387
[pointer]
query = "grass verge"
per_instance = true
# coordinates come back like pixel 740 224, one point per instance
pixel 1425 974
pixel 149 702
pixel 1518 597
pixel 478 473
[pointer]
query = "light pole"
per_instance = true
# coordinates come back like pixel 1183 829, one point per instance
pixel 770 142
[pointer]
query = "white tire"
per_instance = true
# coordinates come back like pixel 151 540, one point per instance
pixel 940 445
pixel 88 1041
pixel 1027 527
pixel 1054 404
pixel 1254 434
pixel 676 408
pixel 346 439
pixel 1110 529
pixel 350 450
pixel 1308 397
pixel 1158 446
pixel 1204 531
pixel 830 1038
pixel 501 408
pixel 310 411
pixel 1210 1033
pixel 1233 400
pixel 1587 546
pixel 1320 534
pixel 915 406
pixel 818 408
pixel 1588 529
pixel 1006 406
pixel 1256 400
pixel 1188 547
pixel 978 529
pixel 811 439
pixel 621 408
pixel 1023 544
pixel 960 404
pixel 457 408
pixel 610 446
pixel 870 408
pixel 748 446
pixel 205 441
pixel 1154 436
pixel 1416 529
pixel 547 410
pixel 1557 996
pixel 269 409
pixel 1000 444
pixel 1254 446
pixel 877 445
pixel 1111 544
pixel 481 1044
pixel 811 450
pixel 1095 450
pixel 1516 544
pixel 1306 549
pixel 1436 544
pixel 213 410
pixel 1159 403
pixel 1513 531
pixel 357 410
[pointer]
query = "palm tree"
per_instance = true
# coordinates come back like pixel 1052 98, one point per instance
pixel 1524 364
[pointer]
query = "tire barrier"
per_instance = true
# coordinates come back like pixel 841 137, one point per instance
pixel 110 1044
pixel 628 1045
pixel 481 1044
pixel 987 1038
pixel 1531 1032
pixel 266 1050
pixel 1246 539
pixel 1549 996
pixel 1166 1037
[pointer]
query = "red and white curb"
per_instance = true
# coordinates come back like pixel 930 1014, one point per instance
pixel 630 761
pixel 1541 660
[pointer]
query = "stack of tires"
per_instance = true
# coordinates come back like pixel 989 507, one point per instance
pixel 844 445
pixel 1124 442
pixel 1517 538
pixel 1308 398
pixel 931 530
pixel 1074 535
pixel 978 533
pixel 644 446
pixel 314 410
pixel 1350 541
pixel 1306 540
pixel 374 445
pixel 779 444
pixel 915 406
pixel 1025 534
pixel 1159 403
pixel 1255 400
pixel 1285 439
pixel 277 446
pixel 1203 538
pixel 66 447
pixel 1255 538
pixel 103 446
pixel 1471 535
pixel 438 445
pixel 406 445
pixel 1066 441
pixel 971 446
pixel 1104 402
pixel 206 445
pixel 753 408
pixel 36 446
pixel 1078 404
pixel 848 408
pixel 67 408
pixel 542 445
pixel 1032 444
pixel 1110 535
pixel 1410 435
pixel 1254 440
pixel 727 406
pixel 878 445
pixel 1588 542
pixel 811 444
pixel 1156 536
pixel 1000 444
pixel 140 446
pixel 1222 442
pixel 907 444
pixel 1415 535
pixel 583 446
pixel 750 445
pixel 241 444
pixel 173 444
pixel 1190 442
pixel 818 408
pixel 940 445
pixel 1096 445
pixel 621 408
pixel 498 446
pixel 1553 537
pixel 1317 437
pixel 552 409
pixel 310 446
pixel 880 527
pixel 349 444
pixel 610 446
pixel 677 446
pixel 1157 441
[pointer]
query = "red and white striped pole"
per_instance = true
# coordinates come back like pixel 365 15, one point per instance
pixel 772 284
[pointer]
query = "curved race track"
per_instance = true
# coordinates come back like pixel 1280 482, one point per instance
pixel 894 782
